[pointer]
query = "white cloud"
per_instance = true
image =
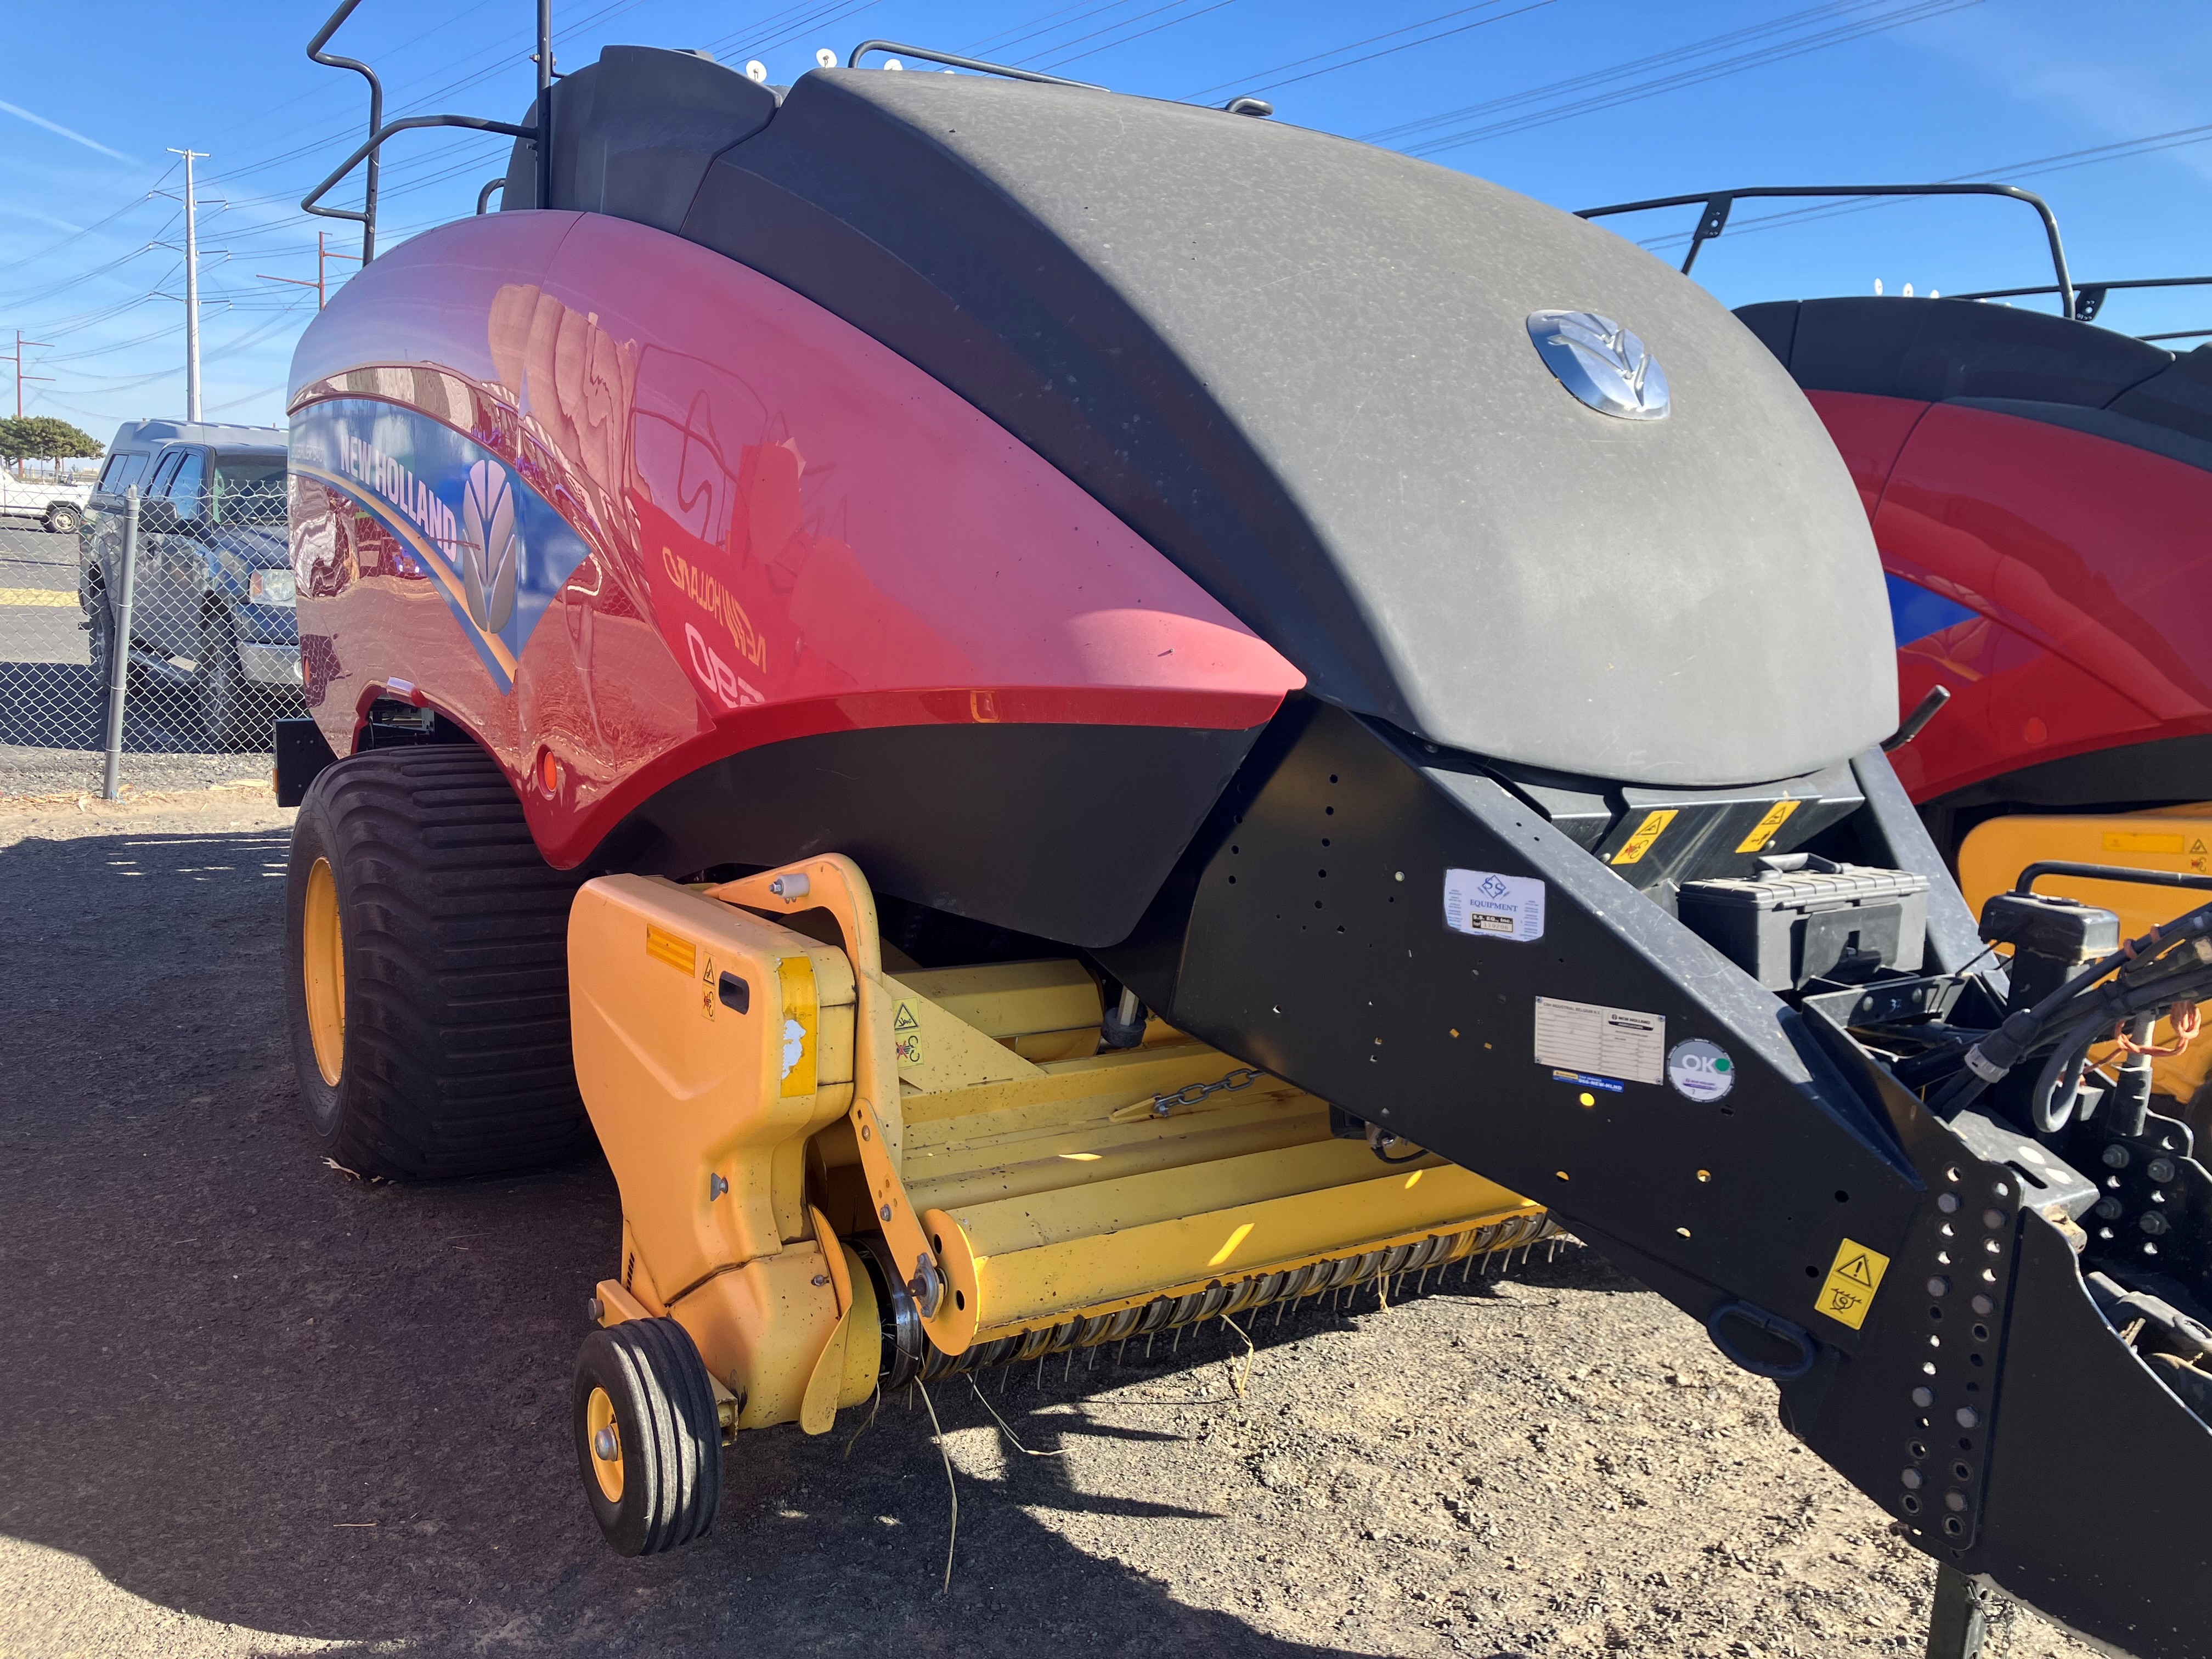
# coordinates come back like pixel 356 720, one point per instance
pixel 55 126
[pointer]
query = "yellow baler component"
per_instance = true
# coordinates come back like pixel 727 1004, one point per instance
pixel 1063 1200
pixel 2170 838
pixel 1039 1264
pixel 689 1096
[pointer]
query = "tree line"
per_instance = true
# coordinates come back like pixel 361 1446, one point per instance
pixel 43 438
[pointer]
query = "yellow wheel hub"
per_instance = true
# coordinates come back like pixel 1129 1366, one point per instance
pixel 603 1435
pixel 322 965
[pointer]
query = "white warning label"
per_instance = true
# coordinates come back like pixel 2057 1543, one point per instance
pixel 1491 906
pixel 1581 1037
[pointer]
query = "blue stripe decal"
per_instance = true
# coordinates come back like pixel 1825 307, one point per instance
pixel 1915 613
pixel 498 550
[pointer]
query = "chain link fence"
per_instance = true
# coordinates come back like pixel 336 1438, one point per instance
pixel 151 648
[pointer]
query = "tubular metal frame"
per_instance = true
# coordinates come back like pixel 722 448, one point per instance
pixel 540 133
pixel 1717 203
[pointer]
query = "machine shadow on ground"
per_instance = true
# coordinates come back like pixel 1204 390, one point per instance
pixel 254 1391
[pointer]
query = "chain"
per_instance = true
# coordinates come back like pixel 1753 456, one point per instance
pixel 1192 1093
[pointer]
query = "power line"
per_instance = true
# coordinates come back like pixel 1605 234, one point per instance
pixel 1917 11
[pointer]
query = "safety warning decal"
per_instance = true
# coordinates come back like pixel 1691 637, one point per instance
pixel 906 1034
pixel 1700 1070
pixel 1607 1042
pixel 1852 1281
pixel 1654 825
pixel 1763 831
pixel 1493 906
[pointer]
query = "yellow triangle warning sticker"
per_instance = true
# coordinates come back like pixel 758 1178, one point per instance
pixel 904 1020
pixel 1853 1278
pixel 2198 846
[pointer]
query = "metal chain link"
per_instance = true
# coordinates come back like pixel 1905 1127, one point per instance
pixel 1192 1093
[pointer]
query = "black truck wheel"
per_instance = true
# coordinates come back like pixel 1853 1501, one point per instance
pixel 648 1438
pixel 427 959
pixel 234 712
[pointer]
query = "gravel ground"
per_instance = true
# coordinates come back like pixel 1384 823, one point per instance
pixel 255 1408
pixel 53 712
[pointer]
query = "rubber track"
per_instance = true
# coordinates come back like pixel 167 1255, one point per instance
pixel 457 1048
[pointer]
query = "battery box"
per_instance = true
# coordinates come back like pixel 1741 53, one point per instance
pixel 1806 918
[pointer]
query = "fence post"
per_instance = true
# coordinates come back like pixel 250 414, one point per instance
pixel 119 643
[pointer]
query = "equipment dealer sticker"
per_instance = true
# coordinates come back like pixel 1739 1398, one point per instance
pixel 1491 906
pixel 1581 1037
pixel 1700 1070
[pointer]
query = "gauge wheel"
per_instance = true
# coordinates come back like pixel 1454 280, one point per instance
pixel 427 956
pixel 648 1437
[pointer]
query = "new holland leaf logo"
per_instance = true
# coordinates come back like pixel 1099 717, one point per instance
pixel 491 546
pixel 1602 363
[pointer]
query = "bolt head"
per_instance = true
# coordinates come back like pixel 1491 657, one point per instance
pixel 1923 1398
pixel 885 1213
pixel 1947 1202
pixel 2116 1157
pixel 820 1280
pixel 2161 1169
pixel 1955 1502
pixel 595 1310
pixel 1939 1286
pixel 1910 1479
pixel 1983 1305
pixel 2154 1224
pixel 1994 1219
pixel 1968 1418
pixel 2109 1208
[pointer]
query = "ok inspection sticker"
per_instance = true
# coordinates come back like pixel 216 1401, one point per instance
pixel 1700 1070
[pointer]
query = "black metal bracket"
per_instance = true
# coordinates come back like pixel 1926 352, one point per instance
pixel 540 133
pixel 1717 203
pixel 975 64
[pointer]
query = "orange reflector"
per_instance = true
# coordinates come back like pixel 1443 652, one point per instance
pixel 678 953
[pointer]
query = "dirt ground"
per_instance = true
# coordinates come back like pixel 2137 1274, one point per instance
pixel 254 1407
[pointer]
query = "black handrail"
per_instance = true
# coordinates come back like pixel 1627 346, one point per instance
pixel 975 64
pixel 2089 297
pixel 1718 202
pixel 316 54
pixel 539 132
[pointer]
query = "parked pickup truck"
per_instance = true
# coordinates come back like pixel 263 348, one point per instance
pixel 58 506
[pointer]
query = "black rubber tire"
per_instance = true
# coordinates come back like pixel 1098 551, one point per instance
pixel 671 1435
pixel 63 520
pixel 234 712
pixel 100 638
pixel 455 1057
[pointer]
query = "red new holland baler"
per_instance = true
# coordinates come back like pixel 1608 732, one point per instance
pixel 1057 715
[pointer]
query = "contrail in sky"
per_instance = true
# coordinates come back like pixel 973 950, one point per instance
pixel 56 126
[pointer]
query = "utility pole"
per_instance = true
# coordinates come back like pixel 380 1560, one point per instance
pixel 17 359
pixel 191 287
pixel 323 257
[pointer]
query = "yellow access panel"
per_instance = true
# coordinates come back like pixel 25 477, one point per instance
pixel 2167 838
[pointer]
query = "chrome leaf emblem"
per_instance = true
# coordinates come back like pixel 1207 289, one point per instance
pixel 1600 362
pixel 491 546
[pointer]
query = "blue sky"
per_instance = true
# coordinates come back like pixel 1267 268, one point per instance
pixel 2104 109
